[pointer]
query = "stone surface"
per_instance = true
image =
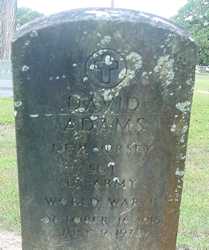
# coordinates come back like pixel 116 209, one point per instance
pixel 102 100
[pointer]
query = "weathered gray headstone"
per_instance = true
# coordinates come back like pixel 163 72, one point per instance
pixel 102 100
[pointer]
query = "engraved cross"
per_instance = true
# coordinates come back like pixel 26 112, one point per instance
pixel 106 66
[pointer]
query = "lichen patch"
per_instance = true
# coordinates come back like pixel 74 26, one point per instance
pixel 165 69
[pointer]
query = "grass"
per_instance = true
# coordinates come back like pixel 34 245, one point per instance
pixel 199 128
pixel 6 111
pixel 202 82
pixel 9 204
pixel 194 219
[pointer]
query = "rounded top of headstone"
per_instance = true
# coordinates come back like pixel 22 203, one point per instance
pixel 102 14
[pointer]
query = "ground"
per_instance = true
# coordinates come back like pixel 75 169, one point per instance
pixel 10 241
pixel 194 223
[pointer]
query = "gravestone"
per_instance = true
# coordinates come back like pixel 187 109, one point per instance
pixel 102 105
